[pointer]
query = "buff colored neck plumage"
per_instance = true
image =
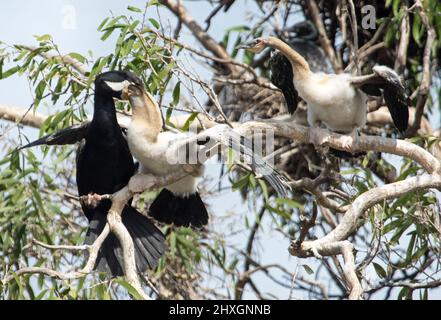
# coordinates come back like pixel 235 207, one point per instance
pixel 146 113
pixel 299 64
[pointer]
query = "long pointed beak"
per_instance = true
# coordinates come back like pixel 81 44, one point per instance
pixel 246 45
pixel 126 92
pixel 130 89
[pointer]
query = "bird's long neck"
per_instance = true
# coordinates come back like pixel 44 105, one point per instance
pixel 104 115
pixel 299 64
pixel 146 112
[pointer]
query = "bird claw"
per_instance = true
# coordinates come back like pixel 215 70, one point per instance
pixel 347 143
pixel 350 141
pixel 91 200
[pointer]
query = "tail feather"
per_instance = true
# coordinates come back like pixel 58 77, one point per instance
pixel 149 247
pixel 148 242
pixel 179 210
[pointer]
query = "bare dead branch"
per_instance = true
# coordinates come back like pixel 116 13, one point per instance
pixel 207 41
pixel 400 62
pixel 423 90
pixel 323 37
pixel 353 19
pixel 19 115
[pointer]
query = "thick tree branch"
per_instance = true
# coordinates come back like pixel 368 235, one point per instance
pixel 19 115
pixel 208 42
pixel 321 137
pixel 65 59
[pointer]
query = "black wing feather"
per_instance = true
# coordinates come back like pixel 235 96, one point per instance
pixel 69 135
pixel 395 97
pixel 283 78
pixel 385 80
pixel 371 89
pixel 397 102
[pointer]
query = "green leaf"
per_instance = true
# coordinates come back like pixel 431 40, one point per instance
pixel 400 230
pixel 264 188
pixel 97 67
pixel 133 26
pixel 289 203
pixel 44 38
pixel 177 93
pixel 153 3
pixel 417 29
pixel 403 293
pixel 59 117
pixel 168 115
pixel 189 121
pixel 132 291
pixel 41 294
pixel 155 23
pixel 379 270
pixel 20 286
pixel 391 226
pixel 419 253
pixel 426 294
pixel 39 90
pixel 134 9
pixel 410 247
pixel 395 6
pixel 78 57
pixel 100 27
pixel 308 269
pixel 10 72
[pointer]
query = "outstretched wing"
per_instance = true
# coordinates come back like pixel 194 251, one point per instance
pixel 70 135
pixel 283 78
pixel 202 144
pixel 385 80
pixel 395 97
pixel 226 136
pixel 244 146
